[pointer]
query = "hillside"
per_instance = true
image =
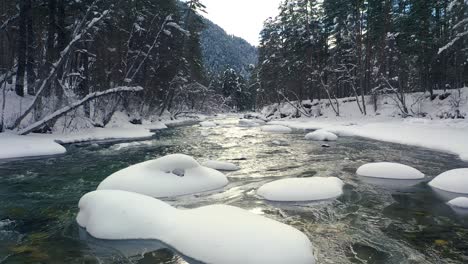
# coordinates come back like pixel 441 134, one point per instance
pixel 221 50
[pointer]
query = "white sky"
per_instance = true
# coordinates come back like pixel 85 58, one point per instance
pixel 242 18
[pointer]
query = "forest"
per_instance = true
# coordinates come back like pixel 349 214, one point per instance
pixel 89 59
pixel 163 59
pixel 335 49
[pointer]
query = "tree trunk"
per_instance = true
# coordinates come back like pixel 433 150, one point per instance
pixel 21 49
pixel 30 61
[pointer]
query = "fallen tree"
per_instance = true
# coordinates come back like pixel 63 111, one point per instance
pixel 61 112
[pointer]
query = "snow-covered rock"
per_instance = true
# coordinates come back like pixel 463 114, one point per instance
pixel 280 142
pixel 248 123
pixel 220 165
pixel 321 135
pixel 455 181
pixel 14 146
pixel 172 175
pixel 302 189
pixel 388 170
pixel 460 202
pixel 210 234
pixel 276 129
pixel 208 124
pixel 392 184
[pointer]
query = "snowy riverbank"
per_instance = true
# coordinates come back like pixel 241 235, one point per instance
pixel 442 135
pixel 13 146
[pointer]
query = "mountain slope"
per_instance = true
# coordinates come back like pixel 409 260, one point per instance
pixel 221 50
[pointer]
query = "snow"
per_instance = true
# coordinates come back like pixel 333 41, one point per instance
pixel 14 146
pixel 442 135
pixel 154 125
pixel 220 165
pixel 208 124
pixel 302 189
pixel 460 202
pixel 388 170
pixel 276 129
pixel 431 129
pixel 248 123
pixel 280 142
pixel 101 134
pixel 132 144
pixel 210 234
pixel 168 176
pixel 321 135
pixel 455 181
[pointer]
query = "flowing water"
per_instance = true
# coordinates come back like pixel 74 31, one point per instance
pixel 373 222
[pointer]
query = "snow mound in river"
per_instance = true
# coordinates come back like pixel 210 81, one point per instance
pixel 460 202
pixel 172 175
pixel 302 189
pixel 248 123
pixel 455 181
pixel 276 129
pixel 210 234
pixel 221 165
pixel 321 135
pixel 208 124
pixel 388 170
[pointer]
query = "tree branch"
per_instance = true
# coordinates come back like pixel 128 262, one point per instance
pixel 75 105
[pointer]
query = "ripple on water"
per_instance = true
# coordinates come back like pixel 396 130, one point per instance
pixel 371 222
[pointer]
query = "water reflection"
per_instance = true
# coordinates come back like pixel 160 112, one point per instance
pixel 374 221
pixel 392 184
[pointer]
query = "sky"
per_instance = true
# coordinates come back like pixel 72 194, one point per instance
pixel 242 18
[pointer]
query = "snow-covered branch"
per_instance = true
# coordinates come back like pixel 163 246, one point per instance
pixel 45 83
pixel 75 105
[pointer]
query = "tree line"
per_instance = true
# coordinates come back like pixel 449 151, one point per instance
pixel 141 56
pixel 333 49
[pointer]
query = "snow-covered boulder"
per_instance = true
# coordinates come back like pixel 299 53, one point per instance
pixel 302 189
pixel 460 202
pixel 321 135
pixel 280 142
pixel 276 129
pixel 220 165
pixel 455 181
pixel 388 170
pixel 172 175
pixel 248 123
pixel 208 124
pixel 210 234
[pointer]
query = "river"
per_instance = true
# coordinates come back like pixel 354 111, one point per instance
pixel 373 222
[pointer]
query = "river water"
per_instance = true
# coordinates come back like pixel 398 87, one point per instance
pixel 373 222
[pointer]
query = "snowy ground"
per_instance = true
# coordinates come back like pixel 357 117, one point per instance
pixel 13 146
pixel 443 135
pixel 430 131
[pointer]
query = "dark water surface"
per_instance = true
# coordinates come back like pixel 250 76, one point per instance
pixel 373 222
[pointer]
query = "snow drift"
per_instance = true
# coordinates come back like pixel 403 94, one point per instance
pixel 221 165
pixel 211 234
pixel 208 124
pixel 460 202
pixel 302 189
pixel 172 175
pixel 321 135
pixel 388 170
pixel 455 181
